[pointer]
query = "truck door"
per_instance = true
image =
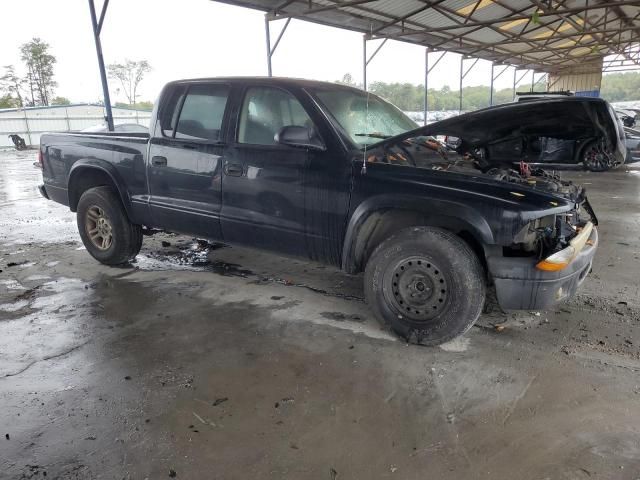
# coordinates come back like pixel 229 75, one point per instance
pixel 185 159
pixel 267 187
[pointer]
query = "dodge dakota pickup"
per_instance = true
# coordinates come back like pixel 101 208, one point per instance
pixel 433 216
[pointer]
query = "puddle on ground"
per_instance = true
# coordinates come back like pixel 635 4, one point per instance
pixel 193 257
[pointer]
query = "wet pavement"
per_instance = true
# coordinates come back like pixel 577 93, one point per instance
pixel 205 361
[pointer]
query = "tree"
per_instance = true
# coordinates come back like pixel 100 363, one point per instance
pixel 347 79
pixel 130 74
pixel 7 101
pixel 142 105
pixel 13 86
pixel 39 62
pixel 60 101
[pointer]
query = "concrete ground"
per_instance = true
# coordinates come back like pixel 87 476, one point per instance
pixel 209 362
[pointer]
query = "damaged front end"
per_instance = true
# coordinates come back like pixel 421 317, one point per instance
pixel 544 259
pixel 550 239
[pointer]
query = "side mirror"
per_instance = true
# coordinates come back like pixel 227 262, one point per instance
pixel 301 137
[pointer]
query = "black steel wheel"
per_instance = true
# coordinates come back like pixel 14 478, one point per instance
pixel 425 283
pixel 418 287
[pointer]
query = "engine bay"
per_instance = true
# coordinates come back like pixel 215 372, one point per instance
pixel 540 237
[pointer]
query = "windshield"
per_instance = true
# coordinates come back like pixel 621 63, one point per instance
pixel 365 118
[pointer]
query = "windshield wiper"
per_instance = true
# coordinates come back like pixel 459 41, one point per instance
pixel 373 135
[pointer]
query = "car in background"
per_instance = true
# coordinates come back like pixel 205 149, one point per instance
pixel 121 127
pixel 526 96
pixel 632 143
pixel 628 117
pixel 556 151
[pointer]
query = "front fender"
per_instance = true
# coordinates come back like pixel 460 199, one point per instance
pixel 437 213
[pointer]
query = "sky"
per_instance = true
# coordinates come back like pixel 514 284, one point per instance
pixel 201 38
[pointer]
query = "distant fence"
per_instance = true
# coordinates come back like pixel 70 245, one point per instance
pixel 30 128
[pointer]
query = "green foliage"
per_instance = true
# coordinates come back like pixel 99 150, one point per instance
pixel 144 105
pixel 12 85
pixel 39 63
pixel 408 97
pixel 620 87
pixel 60 101
pixel 7 101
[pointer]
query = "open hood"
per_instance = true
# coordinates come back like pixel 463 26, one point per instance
pixel 568 118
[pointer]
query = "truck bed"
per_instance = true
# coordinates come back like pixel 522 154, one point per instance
pixel 120 155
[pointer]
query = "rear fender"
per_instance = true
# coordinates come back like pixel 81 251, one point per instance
pixel 87 166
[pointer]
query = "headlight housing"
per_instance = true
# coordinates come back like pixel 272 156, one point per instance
pixel 561 259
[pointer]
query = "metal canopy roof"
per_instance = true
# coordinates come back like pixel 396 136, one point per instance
pixel 544 35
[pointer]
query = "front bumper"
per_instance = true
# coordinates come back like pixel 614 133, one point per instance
pixel 521 286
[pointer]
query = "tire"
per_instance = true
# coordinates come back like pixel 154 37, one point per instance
pixel 105 229
pixel 426 284
pixel 594 159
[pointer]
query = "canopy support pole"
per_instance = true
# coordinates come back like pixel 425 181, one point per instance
pixel 365 60
pixel 97 28
pixel 516 80
pixel 426 86
pixel 427 71
pixel 463 73
pixel 493 79
pixel 271 50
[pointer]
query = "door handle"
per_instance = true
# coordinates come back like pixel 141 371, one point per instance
pixel 189 146
pixel 159 161
pixel 233 169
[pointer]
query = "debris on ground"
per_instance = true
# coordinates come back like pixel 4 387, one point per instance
pixel 341 317
pixel 16 264
pixel 218 401
pixel 172 473
pixel 284 401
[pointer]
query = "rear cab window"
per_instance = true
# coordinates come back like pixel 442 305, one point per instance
pixel 195 112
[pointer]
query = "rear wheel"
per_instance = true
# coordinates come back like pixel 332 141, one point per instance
pixel 426 284
pixel 105 229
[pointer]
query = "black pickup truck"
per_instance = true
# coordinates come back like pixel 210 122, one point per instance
pixel 433 215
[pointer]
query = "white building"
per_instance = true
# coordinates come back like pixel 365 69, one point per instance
pixel 31 122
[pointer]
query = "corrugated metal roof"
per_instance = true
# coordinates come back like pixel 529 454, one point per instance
pixel 546 35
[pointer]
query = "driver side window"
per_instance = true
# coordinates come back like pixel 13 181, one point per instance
pixel 265 111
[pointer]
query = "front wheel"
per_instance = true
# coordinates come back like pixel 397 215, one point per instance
pixel 427 284
pixel 595 158
pixel 105 229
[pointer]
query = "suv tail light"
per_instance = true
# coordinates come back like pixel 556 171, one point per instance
pixel 40 163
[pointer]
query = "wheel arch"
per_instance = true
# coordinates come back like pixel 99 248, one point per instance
pixel 89 174
pixel 375 220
